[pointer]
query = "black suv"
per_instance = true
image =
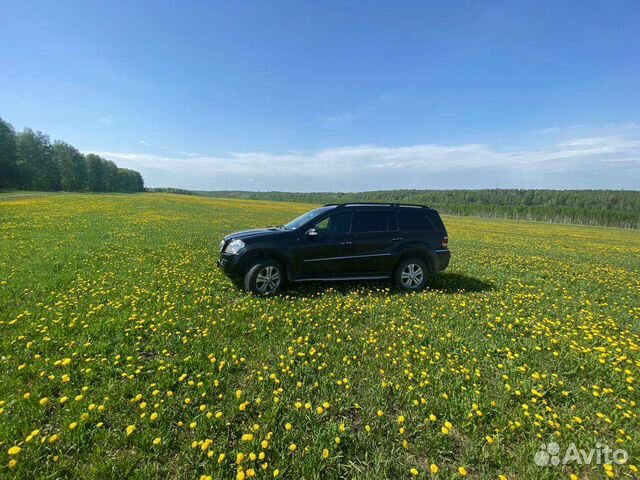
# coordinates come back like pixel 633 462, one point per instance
pixel 351 241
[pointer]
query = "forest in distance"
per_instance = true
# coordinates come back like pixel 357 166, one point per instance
pixel 610 208
pixel 30 161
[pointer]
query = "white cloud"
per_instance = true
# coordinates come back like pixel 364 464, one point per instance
pixel 605 161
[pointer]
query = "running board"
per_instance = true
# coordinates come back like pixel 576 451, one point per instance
pixel 337 279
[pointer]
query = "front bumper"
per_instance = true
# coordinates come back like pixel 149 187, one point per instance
pixel 229 264
pixel 443 257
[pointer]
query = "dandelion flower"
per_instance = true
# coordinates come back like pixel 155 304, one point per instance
pixel 15 450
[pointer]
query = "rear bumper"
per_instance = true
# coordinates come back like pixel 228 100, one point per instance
pixel 443 257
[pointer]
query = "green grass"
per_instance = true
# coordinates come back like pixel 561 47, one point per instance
pixel 117 298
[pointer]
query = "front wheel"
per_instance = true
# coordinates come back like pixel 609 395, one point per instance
pixel 265 278
pixel 411 275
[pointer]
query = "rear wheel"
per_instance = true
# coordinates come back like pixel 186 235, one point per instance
pixel 411 275
pixel 265 278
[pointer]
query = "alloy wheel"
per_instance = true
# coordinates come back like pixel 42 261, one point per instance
pixel 268 280
pixel 411 275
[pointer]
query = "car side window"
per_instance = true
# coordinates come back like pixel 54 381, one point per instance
pixel 335 224
pixel 413 220
pixel 370 222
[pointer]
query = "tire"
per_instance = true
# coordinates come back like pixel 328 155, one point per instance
pixel 266 277
pixel 411 275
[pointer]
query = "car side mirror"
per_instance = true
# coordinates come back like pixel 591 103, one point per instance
pixel 312 233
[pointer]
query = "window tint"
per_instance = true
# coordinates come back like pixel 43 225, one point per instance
pixel 393 222
pixel 336 223
pixel 436 220
pixel 370 222
pixel 414 219
pixel 307 217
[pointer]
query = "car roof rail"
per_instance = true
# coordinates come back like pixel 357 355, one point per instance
pixel 375 204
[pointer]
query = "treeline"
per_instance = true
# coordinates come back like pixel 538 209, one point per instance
pixel 179 191
pixel 612 208
pixel 30 161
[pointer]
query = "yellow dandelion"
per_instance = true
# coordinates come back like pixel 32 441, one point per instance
pixel 14 450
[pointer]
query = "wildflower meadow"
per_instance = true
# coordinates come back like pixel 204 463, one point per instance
pixel 126 353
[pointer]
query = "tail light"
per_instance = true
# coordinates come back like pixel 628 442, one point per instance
pixel 445 243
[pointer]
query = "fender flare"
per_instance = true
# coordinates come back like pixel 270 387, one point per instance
pixel 419 251
pixel 251 256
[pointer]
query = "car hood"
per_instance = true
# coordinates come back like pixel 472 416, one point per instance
pixel 258 232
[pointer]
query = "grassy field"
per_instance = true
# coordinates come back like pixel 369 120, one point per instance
pixel 125 353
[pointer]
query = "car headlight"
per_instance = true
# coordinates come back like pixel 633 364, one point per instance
pixel 221 245
pixel 234 246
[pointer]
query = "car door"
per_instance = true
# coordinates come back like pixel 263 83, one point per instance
pixel 326 251
pixel 375 234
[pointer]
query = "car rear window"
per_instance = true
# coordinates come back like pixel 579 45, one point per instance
pixel 375 221
pixel 436 220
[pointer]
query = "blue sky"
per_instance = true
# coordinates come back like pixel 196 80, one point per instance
pixel 334 95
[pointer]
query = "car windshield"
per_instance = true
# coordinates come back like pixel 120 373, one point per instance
pixel 302 219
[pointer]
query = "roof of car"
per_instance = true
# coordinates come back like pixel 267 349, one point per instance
pixel 375 204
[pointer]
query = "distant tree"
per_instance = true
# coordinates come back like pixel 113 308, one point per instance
pixel 72 166
pixel 8 155
pixel 110 174
pixel 37 169
pixel 129 181
pixel 138 181
pixel 95 173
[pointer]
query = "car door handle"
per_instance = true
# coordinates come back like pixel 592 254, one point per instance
pixel 397 239
pixel 345 243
